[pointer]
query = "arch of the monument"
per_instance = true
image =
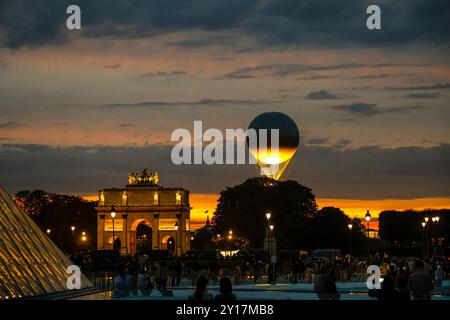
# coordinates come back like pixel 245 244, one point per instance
pixel 133 234
pixel 165 210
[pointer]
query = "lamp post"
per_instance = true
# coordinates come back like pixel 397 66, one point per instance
pixel 176 238
pixel 268 216
pixel 427 237
pixel 113 215
pixel 424 224
pixel 72 228
pixel 271 227
pixel 435 232
pixel 269 244
pixel 230 237
pixel 368 217
pixel 350 227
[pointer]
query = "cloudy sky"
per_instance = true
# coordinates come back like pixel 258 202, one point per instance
pixel 81 109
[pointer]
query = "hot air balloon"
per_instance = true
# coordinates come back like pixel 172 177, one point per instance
pixel 273 160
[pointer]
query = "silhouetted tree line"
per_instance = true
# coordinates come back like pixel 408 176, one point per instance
pixel 298 222
pixel 406 226
pixel 58 213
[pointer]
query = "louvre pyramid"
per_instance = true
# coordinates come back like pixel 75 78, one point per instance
pixel 30 263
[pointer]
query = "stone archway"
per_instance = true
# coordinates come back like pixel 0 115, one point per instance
pixel 141 231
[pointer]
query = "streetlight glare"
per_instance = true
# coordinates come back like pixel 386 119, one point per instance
pixel 368 216
pixel 350 226
pixel 271 227
pixel 176 226
pixel 268 215
pixel 113 212
pixel 72 228
pixel 423 224
pixel 426 219
pixel 48 231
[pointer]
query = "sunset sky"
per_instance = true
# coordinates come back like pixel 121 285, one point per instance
pixel 81 109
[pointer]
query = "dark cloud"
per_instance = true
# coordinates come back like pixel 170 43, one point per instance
pixel 285 70
pixel 318 141
pixel 203 102
pixel 362 77
pixel 345 120
pixel 422 96
pixel 163 73
pixel 11 125
pixel 368 109
pixel 326 23
pixel 342 143
pixel 444 86
pixel 112 66
pixel 366 172
pixel 323 95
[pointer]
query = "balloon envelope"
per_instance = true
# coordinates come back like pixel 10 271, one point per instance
pixel 273 161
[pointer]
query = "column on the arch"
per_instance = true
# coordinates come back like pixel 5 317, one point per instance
pixel 101 232
pixel 156 242
pixel 181 233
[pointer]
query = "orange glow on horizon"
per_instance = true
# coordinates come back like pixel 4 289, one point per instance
pixel 354 208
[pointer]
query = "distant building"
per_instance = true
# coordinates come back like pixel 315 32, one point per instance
pixel 147 217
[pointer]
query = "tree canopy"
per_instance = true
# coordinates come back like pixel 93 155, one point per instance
pixel 58 213
pixel 298 222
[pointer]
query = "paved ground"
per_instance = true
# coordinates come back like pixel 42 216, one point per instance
pixel 299 291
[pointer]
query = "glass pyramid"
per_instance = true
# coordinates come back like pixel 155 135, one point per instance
pixel 30 263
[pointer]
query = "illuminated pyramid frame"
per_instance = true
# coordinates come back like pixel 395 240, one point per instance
pixel 30 263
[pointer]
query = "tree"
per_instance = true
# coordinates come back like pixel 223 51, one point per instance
pixel 58 213
pixel 242 209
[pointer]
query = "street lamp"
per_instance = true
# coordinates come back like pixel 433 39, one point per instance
pixel 435 232
pixel 176 238
pixel 426 219
pixel 113 215
pixel 350 227
pixel 268 215
pixel 368 217
pixel 425 249
pixel 48 231
pixel 271 227
pixel 73 236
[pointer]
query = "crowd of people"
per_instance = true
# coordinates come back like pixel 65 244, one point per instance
pixel 402 279
pixel 128 284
